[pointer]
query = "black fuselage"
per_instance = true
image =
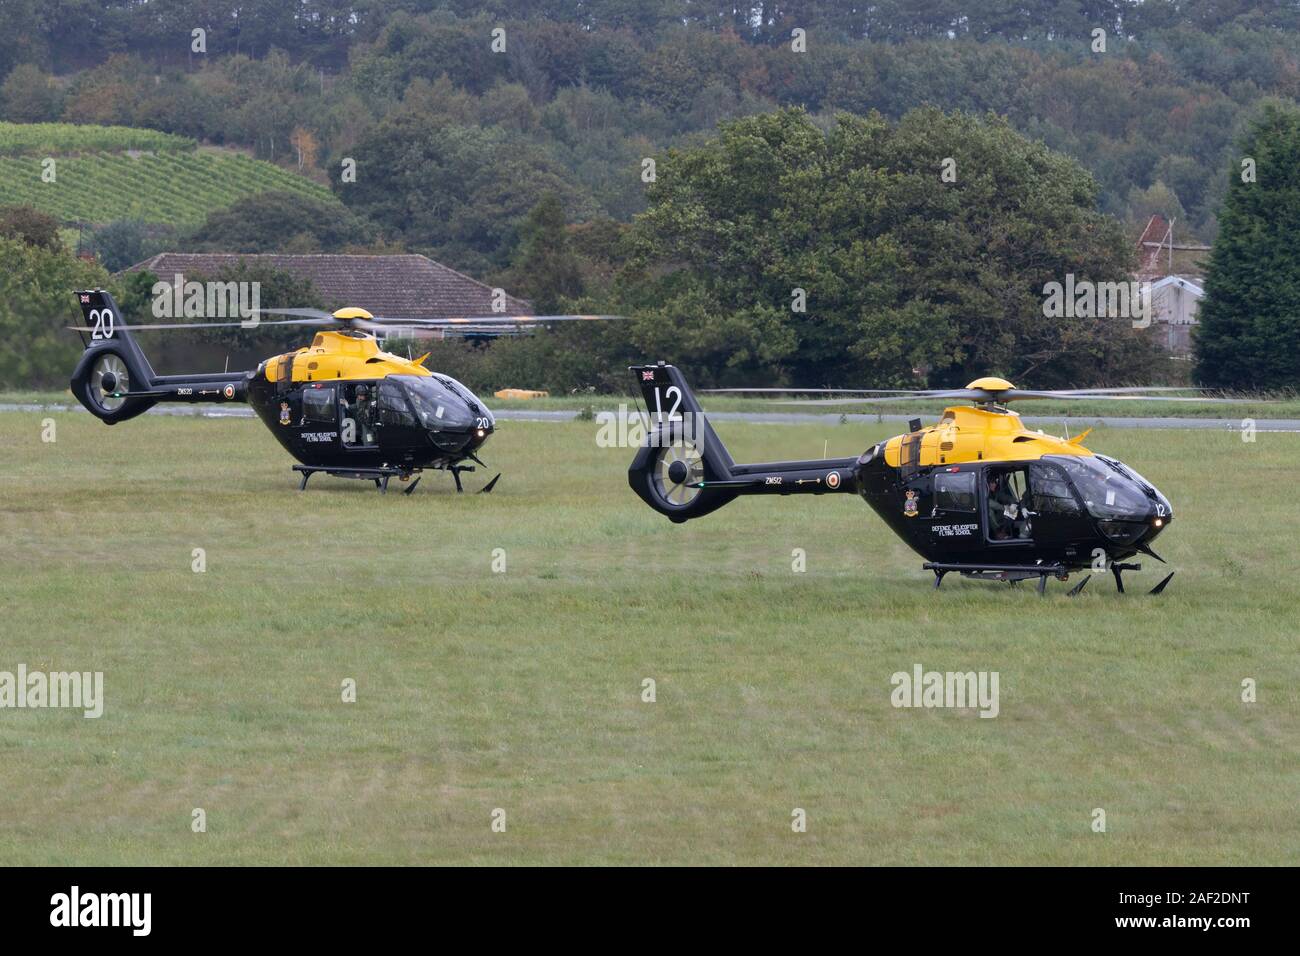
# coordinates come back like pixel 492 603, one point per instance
pixel 367 424
pixel 954 516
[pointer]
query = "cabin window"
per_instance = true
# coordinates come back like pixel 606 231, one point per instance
pixel 1107 492
pixel 910 455
pixel 318 404
pixel 393 406
pixel 955 491
pixel 1051 493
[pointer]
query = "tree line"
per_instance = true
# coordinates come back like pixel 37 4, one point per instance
pixel 566 166
pixel 588 89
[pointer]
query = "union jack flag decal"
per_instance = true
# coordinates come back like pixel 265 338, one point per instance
pixel 648 375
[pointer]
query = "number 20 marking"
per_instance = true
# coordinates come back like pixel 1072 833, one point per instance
pixel 101 323
pixel 672 390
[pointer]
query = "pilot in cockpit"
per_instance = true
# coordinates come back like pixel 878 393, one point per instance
pixel 1006 514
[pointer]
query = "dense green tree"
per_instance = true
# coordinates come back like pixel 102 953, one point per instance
pixel 898 269
pixel 1163 103
pixel 544 268
pixel 127 241
pixel 280 222
pixel 23 43
pixel 458 192
pixel 30 226
pixel 1249 323
pixel 29 95
pixel 456 144
pixel 36 305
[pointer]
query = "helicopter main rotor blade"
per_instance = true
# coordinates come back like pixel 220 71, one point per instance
pixel 203 325
pixel 1013 395
pixel 1128 390
pixel 492 320
pixel 971 394
pixel 922 392
pixel 320 314
pixel 446 331
pixel 1018 394
pixel 811 391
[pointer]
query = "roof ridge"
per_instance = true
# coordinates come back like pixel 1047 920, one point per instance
pixel 408 283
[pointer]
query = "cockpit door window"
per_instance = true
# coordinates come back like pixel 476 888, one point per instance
pixel 393 407
pixel 1050 492
pixel 318 404
pixel 955 491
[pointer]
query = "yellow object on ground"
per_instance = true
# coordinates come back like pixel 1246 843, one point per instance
pixel 520 393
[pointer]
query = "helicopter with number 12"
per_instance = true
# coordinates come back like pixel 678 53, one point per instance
pixel 977 493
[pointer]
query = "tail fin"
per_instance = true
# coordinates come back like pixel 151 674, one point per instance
pixel 116 382
pixel 684 471
pixel 113 379
pixel 681 452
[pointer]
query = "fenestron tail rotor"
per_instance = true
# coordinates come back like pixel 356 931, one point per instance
pixel 109 382
pixel 678 472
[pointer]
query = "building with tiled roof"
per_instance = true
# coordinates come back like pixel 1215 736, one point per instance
pixel 403 287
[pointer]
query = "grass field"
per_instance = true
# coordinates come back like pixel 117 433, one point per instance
pixel 522 690
pixel 1081 412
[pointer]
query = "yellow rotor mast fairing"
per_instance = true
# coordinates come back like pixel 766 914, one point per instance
pixel 342 355
pixel 967 434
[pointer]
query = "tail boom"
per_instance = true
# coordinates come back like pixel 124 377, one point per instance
pixel 684 471
pixel 114 380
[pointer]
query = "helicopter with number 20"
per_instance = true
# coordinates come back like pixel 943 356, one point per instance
pixel 340 405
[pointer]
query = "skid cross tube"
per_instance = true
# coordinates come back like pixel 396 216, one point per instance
pixel 1011 573
pixel 380 476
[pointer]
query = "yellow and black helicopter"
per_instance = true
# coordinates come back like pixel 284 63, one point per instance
pixel 978 493
pixel 340 405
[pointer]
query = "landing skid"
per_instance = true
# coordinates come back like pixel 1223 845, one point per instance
pixel 380 476
pixel 1118 570
pixel 1015 573
pixel 1010 573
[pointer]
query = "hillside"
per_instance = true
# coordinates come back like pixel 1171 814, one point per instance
pixel 52 139
pixel 104 173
